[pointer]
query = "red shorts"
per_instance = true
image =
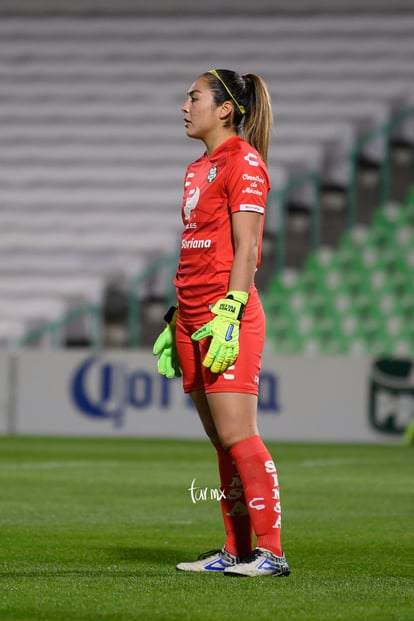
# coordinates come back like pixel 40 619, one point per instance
pixel 243 376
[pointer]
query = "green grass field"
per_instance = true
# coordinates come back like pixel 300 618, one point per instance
pixel 92 529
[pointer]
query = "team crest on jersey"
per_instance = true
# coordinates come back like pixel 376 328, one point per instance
pixel 212 174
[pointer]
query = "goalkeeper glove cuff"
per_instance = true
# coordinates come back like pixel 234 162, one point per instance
pixel 232 306
pixel 171 315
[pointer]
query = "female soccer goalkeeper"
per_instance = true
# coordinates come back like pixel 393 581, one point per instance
pixel 216 336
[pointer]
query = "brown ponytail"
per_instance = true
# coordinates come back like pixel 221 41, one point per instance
pixel 258 120
pixel 252 106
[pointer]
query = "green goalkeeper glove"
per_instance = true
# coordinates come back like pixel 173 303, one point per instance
pixel 164 347
pixel 224 330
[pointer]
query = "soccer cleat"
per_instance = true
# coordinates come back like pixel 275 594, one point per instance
pixel 214 560
pixel 260 562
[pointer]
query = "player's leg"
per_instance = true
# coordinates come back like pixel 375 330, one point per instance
pixel 235 515
pixel 233 504
pixel 234 511
pixel 234 416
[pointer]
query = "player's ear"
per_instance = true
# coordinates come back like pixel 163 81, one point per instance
pixel 226 109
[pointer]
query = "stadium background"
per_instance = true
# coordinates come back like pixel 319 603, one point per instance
pixel 91 528
pixel 92 160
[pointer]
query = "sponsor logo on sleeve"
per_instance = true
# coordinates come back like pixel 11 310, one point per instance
pixel 253 183
pixel 250 207
pixel 252 159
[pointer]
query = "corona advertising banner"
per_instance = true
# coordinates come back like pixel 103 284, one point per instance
pixel 120 394
pixel 391 396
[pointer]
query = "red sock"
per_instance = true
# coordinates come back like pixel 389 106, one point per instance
pixel 233 506
pixel 261 488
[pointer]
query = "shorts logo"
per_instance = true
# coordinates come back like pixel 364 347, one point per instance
pixel 212 174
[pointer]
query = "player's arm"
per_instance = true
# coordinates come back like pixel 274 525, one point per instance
pixel 246 227
pixel 224 328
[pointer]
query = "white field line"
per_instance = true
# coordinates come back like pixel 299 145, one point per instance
pixel 50 465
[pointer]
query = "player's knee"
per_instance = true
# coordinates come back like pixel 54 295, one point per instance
pixel 230 438
pixel 227 440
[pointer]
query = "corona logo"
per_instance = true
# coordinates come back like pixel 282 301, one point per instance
pixel 107 390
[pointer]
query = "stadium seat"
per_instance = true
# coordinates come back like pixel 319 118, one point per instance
pixel 356 299
pixel 94 151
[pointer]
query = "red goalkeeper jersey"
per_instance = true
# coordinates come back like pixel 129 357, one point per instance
pixel 232 179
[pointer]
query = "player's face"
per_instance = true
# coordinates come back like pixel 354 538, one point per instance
pixel 200 111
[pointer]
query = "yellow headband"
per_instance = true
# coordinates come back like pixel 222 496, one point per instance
pixel 240 107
